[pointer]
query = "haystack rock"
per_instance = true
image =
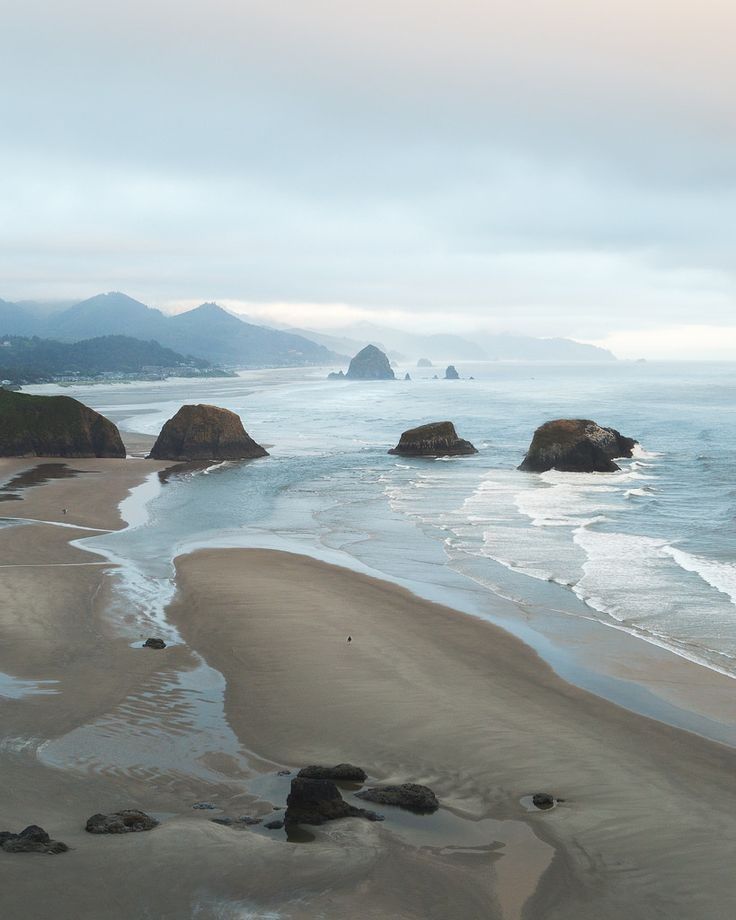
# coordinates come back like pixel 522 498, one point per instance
pixel 370 364
pixel 424 362
pixel 205 433
pixel 576 445
pixel 54 426
pixel 451 373
pixel 438 439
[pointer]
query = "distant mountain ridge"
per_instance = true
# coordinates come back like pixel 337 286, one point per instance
pixel 448 347
pixel 208 331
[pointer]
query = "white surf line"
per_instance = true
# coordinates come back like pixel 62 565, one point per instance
pixel 59 524
pixel 47 565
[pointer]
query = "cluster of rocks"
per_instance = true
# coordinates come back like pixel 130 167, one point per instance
pixel 32 839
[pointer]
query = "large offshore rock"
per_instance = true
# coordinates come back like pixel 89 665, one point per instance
pixel 54 426
pixel 204 432
pixel 451 373
pixel 576 445
pixel 437 439
pixel 370 364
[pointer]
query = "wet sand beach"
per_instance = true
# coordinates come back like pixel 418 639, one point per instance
pixel 265 681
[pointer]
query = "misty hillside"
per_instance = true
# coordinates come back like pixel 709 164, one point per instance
pixel 35 360
pixel 209 332
pixel 447 347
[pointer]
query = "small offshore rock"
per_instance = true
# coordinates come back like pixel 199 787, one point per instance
pixel 274 825
pixel 204 806
pixel 411 796
pixel 407 376
pixel 128 821
pixel 342 772
pixel 154 643
pixel 543 800
pixel 32 839
pixel 436 439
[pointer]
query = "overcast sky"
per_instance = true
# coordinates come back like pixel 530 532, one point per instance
pixel 562 167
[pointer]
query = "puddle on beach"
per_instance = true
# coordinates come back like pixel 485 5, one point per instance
pixel 14 688
pixel 36 476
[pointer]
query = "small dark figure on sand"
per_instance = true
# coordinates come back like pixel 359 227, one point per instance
pixel 63 510
pixel 350 639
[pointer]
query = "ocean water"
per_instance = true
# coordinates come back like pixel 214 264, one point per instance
pixel 650 550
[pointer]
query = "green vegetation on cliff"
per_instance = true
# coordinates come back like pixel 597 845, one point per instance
pixel 54 426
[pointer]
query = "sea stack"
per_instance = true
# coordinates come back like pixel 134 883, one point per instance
pixel 370 364
pixel 54 426
pixel 424 362
pixel 576 445
pixel 451 373
pixel 437 439
pixel 205 433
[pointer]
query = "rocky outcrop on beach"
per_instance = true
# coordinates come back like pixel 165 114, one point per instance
pixel 411 796
pixel 451 373
pixel 543 800
pixel 342 772
pixel 576 445
pixel 316 801
pixel 32 839
pixel 437 439
pixel 54 426
pixel 370 364
pixel 128 821
pixel 154 643
pixel 204 432
pixel 336 375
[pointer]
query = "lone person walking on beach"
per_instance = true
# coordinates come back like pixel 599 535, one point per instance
pixel 350 639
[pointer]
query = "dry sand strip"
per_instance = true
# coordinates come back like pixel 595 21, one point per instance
pixel 427 694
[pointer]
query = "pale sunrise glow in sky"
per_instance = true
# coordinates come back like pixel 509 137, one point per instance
pixel 556 168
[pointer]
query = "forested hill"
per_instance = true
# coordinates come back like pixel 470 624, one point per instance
pixel 36 360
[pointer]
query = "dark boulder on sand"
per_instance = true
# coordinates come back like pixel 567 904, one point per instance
pixel 437 439
pixel 315 801
pixel 342 772
pixel 408 795
pixel 370 364
pixel 154 643
pixel 543 800
pixel 32 839
pixel 128 821
pixel 205 433
pixel 576 445
pixel 54 426
pixel 451 373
